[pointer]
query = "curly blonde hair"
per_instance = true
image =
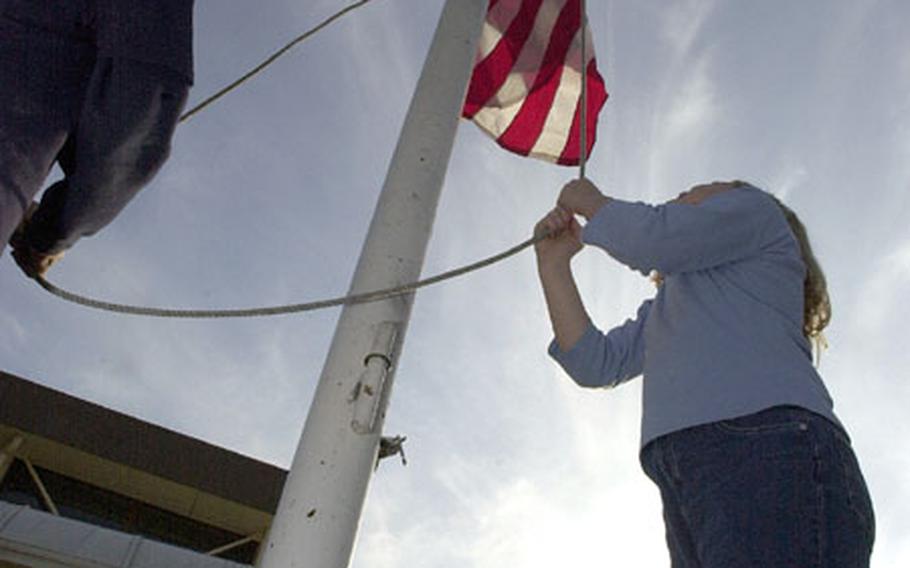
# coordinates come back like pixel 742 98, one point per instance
pixel 817 304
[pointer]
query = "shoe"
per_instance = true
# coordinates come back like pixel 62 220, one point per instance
pixel 33 263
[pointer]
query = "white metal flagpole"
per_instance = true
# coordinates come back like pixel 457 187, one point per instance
pixel 319 512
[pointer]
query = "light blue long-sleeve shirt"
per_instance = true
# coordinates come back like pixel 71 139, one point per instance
pixel 723 337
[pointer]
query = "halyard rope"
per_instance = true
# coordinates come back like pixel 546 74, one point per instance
pixel 269 60
pixel 583 123
pixel 283 309
pixel 343 300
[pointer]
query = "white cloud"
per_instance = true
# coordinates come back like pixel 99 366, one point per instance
pixel 13 331
pixel 902 136
pixel 682 23
pixel 693 109
pixel 569 513
pixel 509 462
pixel 788 181
pixel 881 296
pixel 689 109
pixel 865 372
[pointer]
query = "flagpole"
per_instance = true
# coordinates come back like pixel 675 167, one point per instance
pixel 583 123
pixel 319 512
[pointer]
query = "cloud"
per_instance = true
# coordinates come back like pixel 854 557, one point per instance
pixel 268 195
pixel 787 181
pixel 575 497
pixel 13 330
pixel 689 109
pixel 865 372
pixel 880 297
pixel 694 107
pixel 402 54
pixel 682 24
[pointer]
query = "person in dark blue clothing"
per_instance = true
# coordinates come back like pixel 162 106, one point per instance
pixel 96 86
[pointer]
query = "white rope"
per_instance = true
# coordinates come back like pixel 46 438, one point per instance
pixel 269 60
pixel 344 300
pixel 583 123
pixel 373 296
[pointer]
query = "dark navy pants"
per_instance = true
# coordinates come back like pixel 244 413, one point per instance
pixel 107 121
pixel 776 489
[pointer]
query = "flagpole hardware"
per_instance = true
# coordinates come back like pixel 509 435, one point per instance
pixel 390 446
pixel 369 392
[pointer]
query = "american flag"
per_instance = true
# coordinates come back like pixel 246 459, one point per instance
pixel 525 91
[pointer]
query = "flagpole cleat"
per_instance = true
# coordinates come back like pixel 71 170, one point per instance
pixel 390 447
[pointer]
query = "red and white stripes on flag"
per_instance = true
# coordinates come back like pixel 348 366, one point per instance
pixel 526 88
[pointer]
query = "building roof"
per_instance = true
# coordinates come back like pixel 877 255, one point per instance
pixel 66 436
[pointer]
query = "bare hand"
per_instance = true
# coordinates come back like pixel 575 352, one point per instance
pixel 563 236
pixel 581 196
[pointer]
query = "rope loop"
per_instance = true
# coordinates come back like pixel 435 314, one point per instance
pixel 365 297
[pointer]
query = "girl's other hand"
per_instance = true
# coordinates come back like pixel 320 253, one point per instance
pixel 581 196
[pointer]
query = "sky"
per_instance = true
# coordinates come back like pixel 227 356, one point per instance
pixel 267 198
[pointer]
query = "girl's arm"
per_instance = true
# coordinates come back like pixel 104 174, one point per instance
pixel 677 236
pixel 591 358
pixel 554 255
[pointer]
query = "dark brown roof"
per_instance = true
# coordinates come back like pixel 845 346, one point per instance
pixel 122 439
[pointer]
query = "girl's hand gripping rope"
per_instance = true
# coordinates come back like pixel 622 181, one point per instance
pixel 563 237
pixel 581 197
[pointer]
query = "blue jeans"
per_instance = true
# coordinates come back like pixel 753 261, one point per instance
pixel 777 489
